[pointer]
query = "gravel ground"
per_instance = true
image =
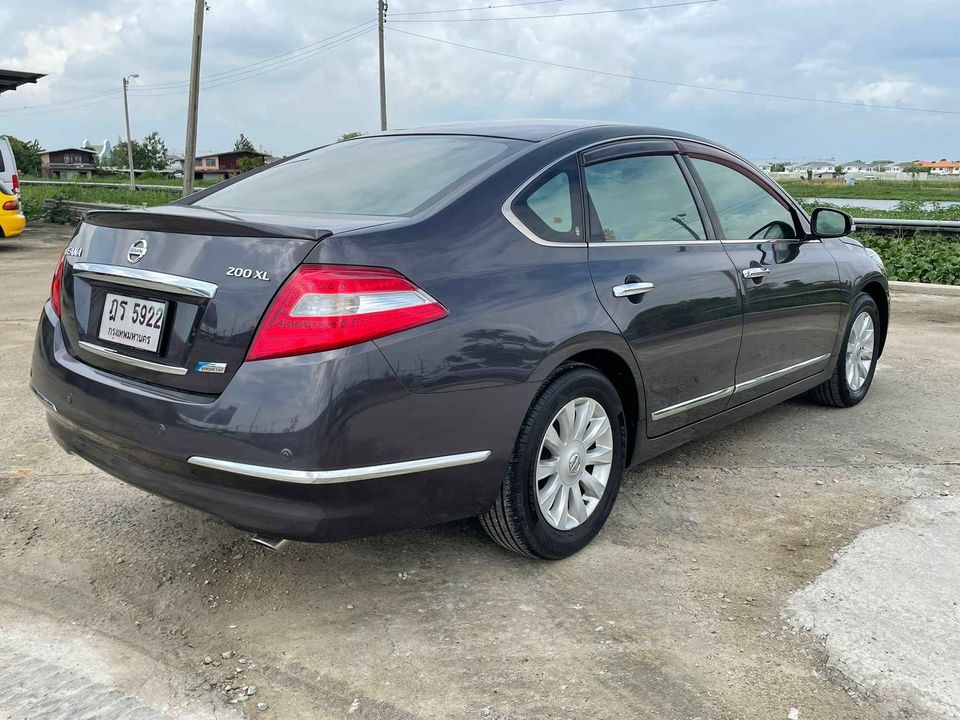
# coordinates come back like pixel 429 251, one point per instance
pixel 684 607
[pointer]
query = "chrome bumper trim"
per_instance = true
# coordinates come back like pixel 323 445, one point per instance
pixel 145 279
pixel 329 477
pixel 127 360
pixel 43 398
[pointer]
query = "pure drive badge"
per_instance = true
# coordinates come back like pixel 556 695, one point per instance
pixel 211 367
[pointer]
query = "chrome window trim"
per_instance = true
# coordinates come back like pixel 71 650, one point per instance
pixel 758 241
pixel 329 477
pixel 507 212
pixel 145 279
pixel 637 243
pixel 732 389
pixel 116 356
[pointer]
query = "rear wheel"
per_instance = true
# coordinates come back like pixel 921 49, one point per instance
pixel 853 375
pixel 566 468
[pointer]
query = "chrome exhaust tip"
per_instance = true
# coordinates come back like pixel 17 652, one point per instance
pixel 274 543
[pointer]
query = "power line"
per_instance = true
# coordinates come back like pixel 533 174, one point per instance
pixel 559 15
pixel 211 85
pixel 226 77
pixel 624 76
pixel 482 7
pixel 62 103
pixel 265 62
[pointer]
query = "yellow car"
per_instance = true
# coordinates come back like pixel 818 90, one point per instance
pixel 12 220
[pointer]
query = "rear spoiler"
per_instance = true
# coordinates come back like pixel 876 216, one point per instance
pixel 202 222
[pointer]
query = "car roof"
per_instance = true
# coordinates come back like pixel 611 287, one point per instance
pixel 531 130
pixel 534 130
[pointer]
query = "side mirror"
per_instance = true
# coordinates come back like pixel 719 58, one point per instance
pixel 830 223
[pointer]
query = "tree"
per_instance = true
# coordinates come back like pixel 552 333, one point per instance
pixel 155 152
pixel 351 135
pixel 118 157
pixel 916 169
pixel 250 163
pixel 27 155
pixel 839 168
pixel 243 143
pixel 778 167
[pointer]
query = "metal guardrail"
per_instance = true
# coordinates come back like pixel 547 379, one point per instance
pixel 117 186
pixel 897 225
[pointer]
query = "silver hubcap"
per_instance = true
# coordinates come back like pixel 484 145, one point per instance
pixel 575 460
pixel 859 351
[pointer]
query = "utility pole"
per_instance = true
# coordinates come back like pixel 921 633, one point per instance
pixel 381 19
pixel 190 152
pixel 126 113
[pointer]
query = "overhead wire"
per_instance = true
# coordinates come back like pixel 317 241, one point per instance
pixel 674 83
pixel 561 15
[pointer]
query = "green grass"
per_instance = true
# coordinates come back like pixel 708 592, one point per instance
pixel 917 258
pixel 32 197
pixel 145 179
pixel 915 190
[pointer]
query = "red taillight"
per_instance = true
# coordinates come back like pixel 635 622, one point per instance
pixel 11 205
pixel 16 184
pixel 322 307
pixel 56 285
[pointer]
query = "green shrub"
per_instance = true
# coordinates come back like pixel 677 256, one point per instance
pixel 59 211
pixel 917 258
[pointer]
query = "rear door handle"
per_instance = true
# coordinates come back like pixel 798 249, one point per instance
pixel 756 272
pixel 634 288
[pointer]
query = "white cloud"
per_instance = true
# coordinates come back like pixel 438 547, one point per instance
pixel 906 55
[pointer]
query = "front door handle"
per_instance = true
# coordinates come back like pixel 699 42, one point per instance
pixel 633 288
pixel 756 272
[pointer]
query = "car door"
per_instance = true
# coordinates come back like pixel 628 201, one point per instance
pixel 790 283
pixel 664 279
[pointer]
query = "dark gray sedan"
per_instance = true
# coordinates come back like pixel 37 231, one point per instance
pixel 481 319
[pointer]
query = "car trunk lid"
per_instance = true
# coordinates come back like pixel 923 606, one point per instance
pixel 172 296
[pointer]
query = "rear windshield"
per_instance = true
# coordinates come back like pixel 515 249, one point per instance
pixel 398 175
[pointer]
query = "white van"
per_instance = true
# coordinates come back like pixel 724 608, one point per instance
pixel 8 166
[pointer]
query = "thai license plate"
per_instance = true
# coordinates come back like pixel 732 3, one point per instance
pixel 133 322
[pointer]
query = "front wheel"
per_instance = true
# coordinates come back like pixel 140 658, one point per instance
pixel 853 375
pixel 566 468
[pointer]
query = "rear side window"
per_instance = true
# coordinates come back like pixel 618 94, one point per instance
pixel 550 206
pixel 393 175
pixel 746 210
pixel 641 199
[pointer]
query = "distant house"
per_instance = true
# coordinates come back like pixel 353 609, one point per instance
pixel 941 167
pixel 815 167
pixel 174 166
pixel 856 166
pixel 900 167
pixel 66 163
pixel 220 166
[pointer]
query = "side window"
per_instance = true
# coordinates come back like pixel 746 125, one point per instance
pixel 550 206
pixel 641 198
pixel 746 210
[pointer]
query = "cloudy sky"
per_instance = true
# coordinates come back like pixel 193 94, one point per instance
pixel 273 74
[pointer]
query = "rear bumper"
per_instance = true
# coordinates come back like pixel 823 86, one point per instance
pixel 317 448
pixel 11 224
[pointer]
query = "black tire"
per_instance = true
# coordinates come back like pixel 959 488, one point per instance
pixel 836 392
pixel 515 520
